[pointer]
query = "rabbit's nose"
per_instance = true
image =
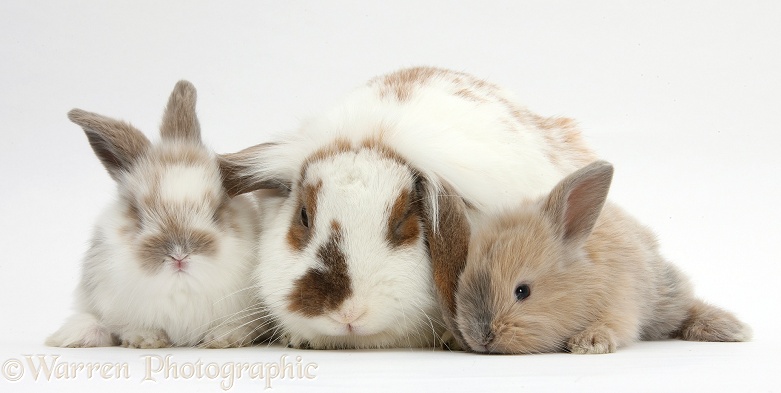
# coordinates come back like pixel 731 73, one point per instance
pixel 488 338
pixel 180 261
pixel 348 313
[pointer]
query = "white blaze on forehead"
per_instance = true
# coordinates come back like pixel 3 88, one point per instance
pixel 183 183
pixel 358 190
pixel 364 168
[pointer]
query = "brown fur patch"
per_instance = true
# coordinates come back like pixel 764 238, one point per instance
pixel 340 146
pixel 336 147
pixel 133 216
pixel 377 144
pixel 470 95
pixel 319 291
pixel 404 221
pixel 298 235
pixel 154 250
pixel 225 214
pixel 565 140
pixel 401 84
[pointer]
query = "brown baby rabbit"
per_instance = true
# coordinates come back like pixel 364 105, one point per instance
pixel 564 273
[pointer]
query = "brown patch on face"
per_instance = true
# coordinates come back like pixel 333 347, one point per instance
pixel 319 291
pixel 299 234
pixel 155 249
pixel 225 213
pixel 133 215
pixel 404 220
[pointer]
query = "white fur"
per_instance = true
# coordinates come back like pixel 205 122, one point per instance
pixel 180 183
pixel 487 147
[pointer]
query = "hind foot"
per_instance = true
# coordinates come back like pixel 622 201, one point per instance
pixel 710 323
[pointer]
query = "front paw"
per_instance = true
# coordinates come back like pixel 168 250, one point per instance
pixel 82 331
pixel 594 340
pixel 145 339
pixel 290 342
pixel 449 342
pixel 229 337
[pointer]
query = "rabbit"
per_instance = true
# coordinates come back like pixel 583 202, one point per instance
pixel 172 257
pixel 570 272
pixel 356 254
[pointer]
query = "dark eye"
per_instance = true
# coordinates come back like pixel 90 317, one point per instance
pixel 522 292
pixel 304 217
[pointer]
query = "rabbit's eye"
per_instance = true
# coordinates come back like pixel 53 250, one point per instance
pixel 304 217
pixel 522 292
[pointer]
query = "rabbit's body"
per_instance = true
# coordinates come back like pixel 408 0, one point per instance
pixel 466 131
pixel 539 279
pixel 171 259
pixel 348 257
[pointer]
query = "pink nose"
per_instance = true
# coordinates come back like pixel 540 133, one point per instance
pixel 180 262
pixel 349 315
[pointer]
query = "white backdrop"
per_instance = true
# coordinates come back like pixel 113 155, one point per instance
pixel 682 96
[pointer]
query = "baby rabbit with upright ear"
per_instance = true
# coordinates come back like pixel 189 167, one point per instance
pixel 566 273
pixel 171 259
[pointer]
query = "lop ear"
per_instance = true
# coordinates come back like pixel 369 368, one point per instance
pixel 117 144
pixel 575 203
pixel 179 120
pixel 447 233
pixel 243 171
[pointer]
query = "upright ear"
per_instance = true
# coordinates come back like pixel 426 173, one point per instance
pixel 179 119
pixel 575 203
pixel 117 144
pixel 243 171
pixel 448 244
